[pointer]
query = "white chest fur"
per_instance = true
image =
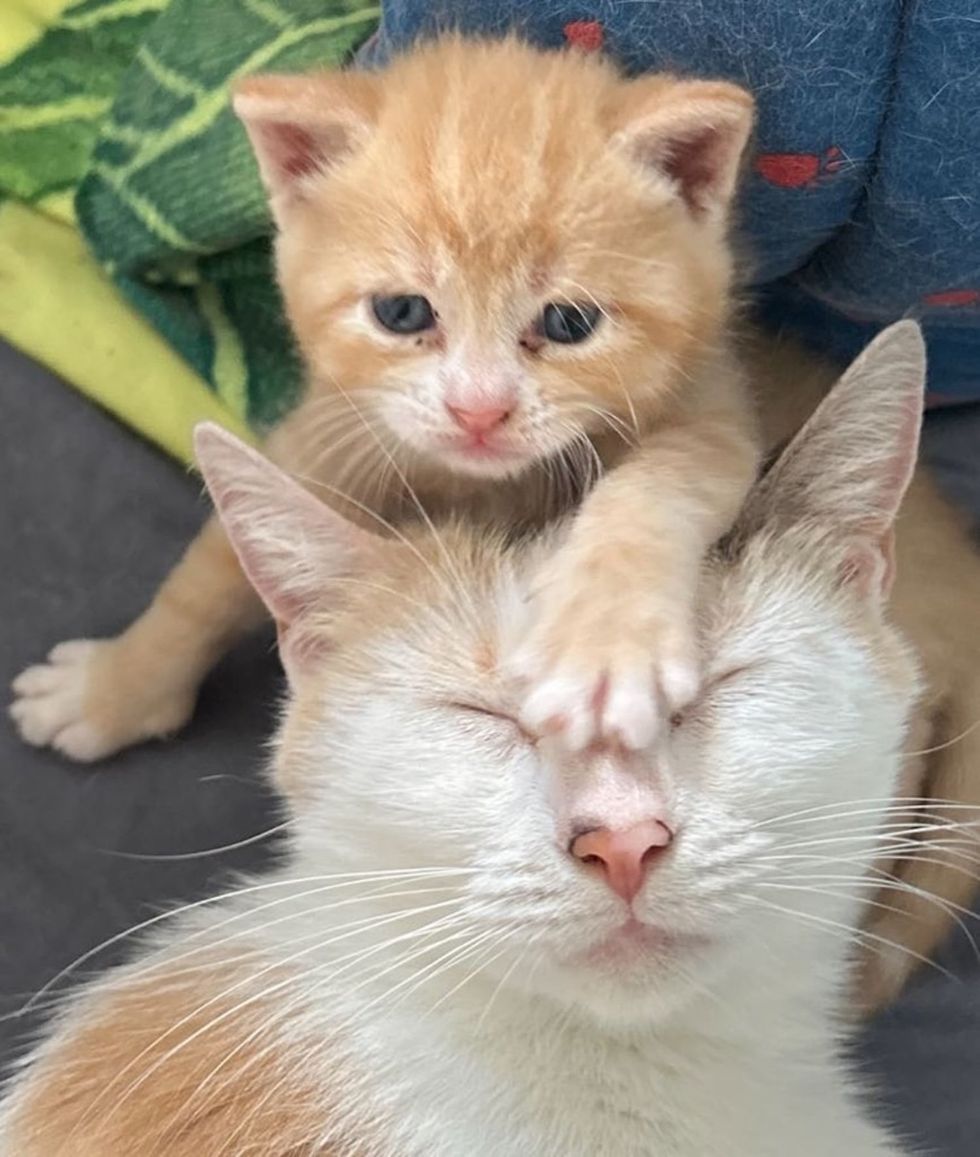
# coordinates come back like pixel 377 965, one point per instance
pixel 531 1081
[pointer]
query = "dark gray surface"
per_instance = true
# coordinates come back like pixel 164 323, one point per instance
pixel 90 519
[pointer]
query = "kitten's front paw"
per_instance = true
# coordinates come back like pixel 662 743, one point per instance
pixel 92 698
pixel 599 673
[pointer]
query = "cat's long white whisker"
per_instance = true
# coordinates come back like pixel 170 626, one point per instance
pixel 272 966
pixel 163 857
pixel 505 979
pixel 347 878
pixel 853 933
pixel 372 895
pixel 877 805
pixel 882 881
pixel 304 993
pixel 789 886
pixel 946 744
pixel 484 960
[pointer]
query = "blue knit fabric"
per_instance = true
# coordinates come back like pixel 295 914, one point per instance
pixel 863 204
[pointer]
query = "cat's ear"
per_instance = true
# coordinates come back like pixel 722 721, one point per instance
pixel 300 126
pixel 293 548
pixel 845 473
pixel 692 132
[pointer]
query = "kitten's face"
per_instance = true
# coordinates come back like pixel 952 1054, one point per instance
pixel 405 754
pixel 492 268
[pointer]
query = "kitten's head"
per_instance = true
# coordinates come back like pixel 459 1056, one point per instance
pixel 400 751
pixel 488 251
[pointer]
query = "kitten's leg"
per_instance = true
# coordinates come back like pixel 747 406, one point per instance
pixel 95 696
pixel 612 641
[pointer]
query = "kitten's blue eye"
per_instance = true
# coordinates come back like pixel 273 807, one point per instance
pixel 403 312
pixel 568 324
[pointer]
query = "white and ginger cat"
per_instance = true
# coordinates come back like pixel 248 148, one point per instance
pixel 506 268
pixel 482 943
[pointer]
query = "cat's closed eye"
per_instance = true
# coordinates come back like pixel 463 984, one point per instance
pixel 500 718
pixel 708 689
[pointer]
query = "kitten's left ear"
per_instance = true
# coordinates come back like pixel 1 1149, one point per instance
pixel 693 132
pixel 300 126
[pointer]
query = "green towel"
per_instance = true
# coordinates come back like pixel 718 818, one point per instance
pixel 171 203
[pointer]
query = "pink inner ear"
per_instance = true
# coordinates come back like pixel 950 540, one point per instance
pixel 294 149
pixel 696 162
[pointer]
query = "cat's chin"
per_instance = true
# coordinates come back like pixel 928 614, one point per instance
pixel 482 461
pixel 638 946
pixel 635 973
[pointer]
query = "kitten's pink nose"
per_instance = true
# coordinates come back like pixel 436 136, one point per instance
pixel 623 856
pixel 479 420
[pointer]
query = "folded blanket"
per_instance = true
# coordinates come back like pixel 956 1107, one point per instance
pixel 129 100
pixel 60 68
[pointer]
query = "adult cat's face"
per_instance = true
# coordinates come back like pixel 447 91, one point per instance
pixel 489 252
pixel 400 748
pixel 404 752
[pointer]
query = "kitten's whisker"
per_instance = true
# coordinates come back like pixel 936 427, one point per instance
pixel 448 560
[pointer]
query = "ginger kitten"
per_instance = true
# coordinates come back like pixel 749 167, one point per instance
pixel 482 944
pixel 508 271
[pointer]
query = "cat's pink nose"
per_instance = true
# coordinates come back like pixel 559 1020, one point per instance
pixel 625 856
pixel 480 420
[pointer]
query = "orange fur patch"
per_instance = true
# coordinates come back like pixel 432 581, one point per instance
pixel 195 1065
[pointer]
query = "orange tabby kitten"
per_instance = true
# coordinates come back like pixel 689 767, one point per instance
pixel 507 270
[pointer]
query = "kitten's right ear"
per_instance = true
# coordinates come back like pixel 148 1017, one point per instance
pixel 291 546
pixel 691 132
pixel 300 126
pixel 845 473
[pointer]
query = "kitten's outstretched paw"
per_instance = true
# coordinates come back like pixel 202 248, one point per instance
pixel 90 700
pixel 617 692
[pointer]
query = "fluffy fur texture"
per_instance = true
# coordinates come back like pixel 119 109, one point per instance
pixel 591 193
pixel 435 971
pixel 589 187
